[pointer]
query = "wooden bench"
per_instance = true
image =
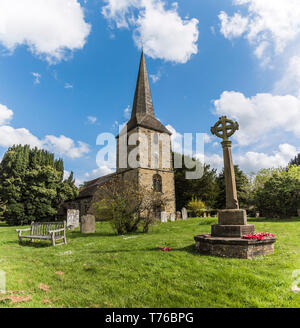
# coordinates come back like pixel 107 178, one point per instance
pixel 45 231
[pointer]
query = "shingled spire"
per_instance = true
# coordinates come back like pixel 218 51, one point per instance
pixel 142 110
pixel 142 103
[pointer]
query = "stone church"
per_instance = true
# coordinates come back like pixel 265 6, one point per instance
pixel 152 171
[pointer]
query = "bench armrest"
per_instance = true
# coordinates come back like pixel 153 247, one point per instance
pixel 21 230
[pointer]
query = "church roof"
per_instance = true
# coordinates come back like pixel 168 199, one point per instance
pixel 90 187
pixel 142 110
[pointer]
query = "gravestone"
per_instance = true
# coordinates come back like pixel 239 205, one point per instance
pixel 87 224
pixel 178 215
pixel 204 214
pixel 257 214
pixel 164 216
pixel 72 219
pixel 184 213
pixel 172 217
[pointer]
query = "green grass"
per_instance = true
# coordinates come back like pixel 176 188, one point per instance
pixel 106 270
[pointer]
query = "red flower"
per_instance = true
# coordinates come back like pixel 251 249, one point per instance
pixel 259 236
pixel 164 249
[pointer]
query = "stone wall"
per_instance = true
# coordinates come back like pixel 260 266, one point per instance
pixel 168 185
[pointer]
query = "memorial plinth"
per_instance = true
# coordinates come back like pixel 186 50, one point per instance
pixel 226 238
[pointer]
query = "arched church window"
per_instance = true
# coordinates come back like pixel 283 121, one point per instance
pixel 157 183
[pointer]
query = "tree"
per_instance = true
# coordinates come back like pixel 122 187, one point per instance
pixel 32 186
pixel 295 161
pixel 280 195
pixel 2 210
pixel 204 188
pixel 243 188
pixel 126 205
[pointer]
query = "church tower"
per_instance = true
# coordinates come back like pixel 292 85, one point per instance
pixel 144 151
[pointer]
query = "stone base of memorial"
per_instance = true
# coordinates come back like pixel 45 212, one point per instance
pixel 234 247
pixel 226 237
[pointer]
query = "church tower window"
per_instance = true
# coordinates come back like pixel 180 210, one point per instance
pixel 157 183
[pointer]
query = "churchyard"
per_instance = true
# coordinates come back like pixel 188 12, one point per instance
pixel 105 270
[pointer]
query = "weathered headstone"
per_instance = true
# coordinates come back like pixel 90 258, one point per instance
pixel 178 215
pixel 72 219
pixel 257 214
pixel 172 217
pixel 164 216
pixel 184 213
pixel 204 214
pixel 87 224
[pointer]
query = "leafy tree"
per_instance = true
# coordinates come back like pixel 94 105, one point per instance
pixel 196 206
pixel 204 188
pixel 295 161
pixel 280 195
pixel 2 210
pixel 243 187
pixel 126 205
pixel 32 186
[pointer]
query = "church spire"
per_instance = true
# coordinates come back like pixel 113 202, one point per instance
pixel 142 103
pixel 142 110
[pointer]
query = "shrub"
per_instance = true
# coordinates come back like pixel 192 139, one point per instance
pixel 196 206
pixel 126 205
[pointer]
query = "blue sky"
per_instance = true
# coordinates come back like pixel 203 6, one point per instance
pixel 68 71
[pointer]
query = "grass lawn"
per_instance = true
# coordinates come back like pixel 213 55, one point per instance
pixel 106 270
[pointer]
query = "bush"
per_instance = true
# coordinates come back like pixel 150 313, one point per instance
pixel 196 206
pixel 126 205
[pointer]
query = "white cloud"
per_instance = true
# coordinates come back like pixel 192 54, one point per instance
pixel 207 138
pixel 99 172
pixel 214 160
pixel 155 77
pixel 65 146
pixel 92 119
pixel 232 27
pixel 50 29
pixel 254 161
pixel 290 82
pixel 260 115
pixel 6 115
pixel 162 32
pixel 127 112
pixel 176 139
pixel 269 22
pixel 10 136
pixel 62 145
pixel 66 174
pixel 68 86
pixel 37 77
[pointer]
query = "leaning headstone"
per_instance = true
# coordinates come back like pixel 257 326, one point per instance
pixel 87 224
pixel 178 215
pixel 184 213
pixel 172 217
pixel 164 216
pixel 72 219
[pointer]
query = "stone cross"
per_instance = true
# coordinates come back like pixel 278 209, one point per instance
pixel 224 129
